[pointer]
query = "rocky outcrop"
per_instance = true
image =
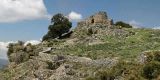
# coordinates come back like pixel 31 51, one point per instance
pixel 58 67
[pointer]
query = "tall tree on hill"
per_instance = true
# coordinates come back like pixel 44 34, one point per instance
pixel 59 25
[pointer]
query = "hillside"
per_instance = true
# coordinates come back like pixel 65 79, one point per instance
pixel 96 50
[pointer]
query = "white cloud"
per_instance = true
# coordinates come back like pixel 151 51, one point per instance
pixel 18 10
pixel 158 27
pixel 33 42
pixel 74 16
pixel 3 45
pixel 3 54
pixel 3 49
pixel 135 24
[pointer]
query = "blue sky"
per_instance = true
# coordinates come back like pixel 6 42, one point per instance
pixel 138 12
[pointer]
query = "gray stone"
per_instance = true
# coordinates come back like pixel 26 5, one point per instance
pixel 47 50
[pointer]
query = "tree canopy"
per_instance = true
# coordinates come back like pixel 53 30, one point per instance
pixel 59 25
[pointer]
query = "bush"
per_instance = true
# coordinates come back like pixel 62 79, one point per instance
pixel 123 24
pixel 10 49
pixel 18 53
pixel 90 32
pixel 15 47
pixel 157 56
pixel 152 56
pixel 90 78
pixel 151 70
pixel 59 25
pixel 107 75
pixel 19 57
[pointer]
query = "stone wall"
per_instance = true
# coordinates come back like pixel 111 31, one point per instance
pixel 98 18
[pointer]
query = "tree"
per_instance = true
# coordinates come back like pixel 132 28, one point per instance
pixel 123 24
pixel 59 25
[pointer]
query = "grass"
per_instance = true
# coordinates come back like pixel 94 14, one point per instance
pixel 124 47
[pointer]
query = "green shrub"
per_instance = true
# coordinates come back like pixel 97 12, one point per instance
pixel 157 56
pixel 152 56
pixel 151 70
pixel 19 53
pixel 18 57
pixel 149 56
pixel 15 47
pixel 50 65
pixel 123 24
pixel 10 49
pixel 107 75
pixel 90 78
pixel 90 31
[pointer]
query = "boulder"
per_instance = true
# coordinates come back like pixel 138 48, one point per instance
pixel 64 72
pixel 43 74
pixel 47 50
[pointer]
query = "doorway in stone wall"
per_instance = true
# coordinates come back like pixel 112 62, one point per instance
pixel 92 21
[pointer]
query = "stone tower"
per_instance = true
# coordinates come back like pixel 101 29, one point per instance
pixel 99 18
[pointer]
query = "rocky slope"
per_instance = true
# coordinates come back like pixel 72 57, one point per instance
pixel 96 50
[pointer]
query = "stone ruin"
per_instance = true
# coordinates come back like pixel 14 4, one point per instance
pixel 95 26
pixel 99 18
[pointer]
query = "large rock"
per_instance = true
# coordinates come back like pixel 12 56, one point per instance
pixel 64 72
pixel 43 74
pixel 107 62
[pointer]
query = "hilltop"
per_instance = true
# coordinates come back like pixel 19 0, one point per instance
pixel 96 49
